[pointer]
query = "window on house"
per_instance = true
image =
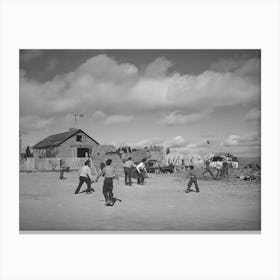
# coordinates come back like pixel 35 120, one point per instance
pixel 79 138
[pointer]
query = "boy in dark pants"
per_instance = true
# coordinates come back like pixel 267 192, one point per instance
pixel 85 177
pixel 109 175
pixel 108 191
pixel 193 180
pixel 128 165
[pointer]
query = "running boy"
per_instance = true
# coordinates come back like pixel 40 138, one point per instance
pixel 207 168
pixel 85 177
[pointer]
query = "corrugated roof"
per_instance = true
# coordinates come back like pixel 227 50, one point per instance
pixel 57 139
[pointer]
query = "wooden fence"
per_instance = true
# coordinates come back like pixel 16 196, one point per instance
pixel 50 164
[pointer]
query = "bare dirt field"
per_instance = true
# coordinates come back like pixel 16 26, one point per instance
pixel 49 204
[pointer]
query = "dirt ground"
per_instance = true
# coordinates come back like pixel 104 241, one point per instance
pixel 49 204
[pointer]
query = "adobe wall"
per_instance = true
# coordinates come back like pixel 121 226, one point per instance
pixel 155 153
pixel 68 149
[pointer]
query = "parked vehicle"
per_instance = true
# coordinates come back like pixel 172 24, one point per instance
pixel 214 160
pixel 152 166
pixel 233 161
pixel 167 169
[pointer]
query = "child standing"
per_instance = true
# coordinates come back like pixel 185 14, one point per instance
pixel 128 165
pixel 219 166
pixel 61 169
pixel 193 180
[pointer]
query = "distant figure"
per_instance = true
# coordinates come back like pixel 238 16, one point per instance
pixel 225 169
pixel 207 168
pixel 183 165
pixel 61 169
pixel 109 175
pixel 85 177
pixel 102 165
pixel 193 180
pixel 141 169
pixel 219 166
pixel 128 165
pixel 157 168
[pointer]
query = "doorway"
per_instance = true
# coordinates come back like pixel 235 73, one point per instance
pixel 82 152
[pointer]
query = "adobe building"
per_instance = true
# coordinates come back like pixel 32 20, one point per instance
pixel 74 143
pixel 74 147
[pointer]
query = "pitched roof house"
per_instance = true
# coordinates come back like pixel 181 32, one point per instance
pixel 73 146
pixel 73 143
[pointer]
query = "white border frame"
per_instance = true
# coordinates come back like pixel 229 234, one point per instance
pixel 155 24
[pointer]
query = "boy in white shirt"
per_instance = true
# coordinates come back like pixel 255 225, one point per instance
pixel 85 177
pixel 141 169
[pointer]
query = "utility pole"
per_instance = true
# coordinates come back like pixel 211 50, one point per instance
pixel 19 145
pixel 75 118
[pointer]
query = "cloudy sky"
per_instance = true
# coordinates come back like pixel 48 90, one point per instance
pixel 175 98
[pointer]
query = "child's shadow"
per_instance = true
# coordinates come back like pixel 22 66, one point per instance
pixel 85 191
pixel 189 191
pixel 114 200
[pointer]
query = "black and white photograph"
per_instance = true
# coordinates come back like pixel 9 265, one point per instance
pixel 140 140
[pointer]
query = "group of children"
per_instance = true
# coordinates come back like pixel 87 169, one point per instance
pixel 221 169
pixel 109 175
pixel 128 166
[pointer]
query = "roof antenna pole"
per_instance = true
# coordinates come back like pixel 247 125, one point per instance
pixel 75 118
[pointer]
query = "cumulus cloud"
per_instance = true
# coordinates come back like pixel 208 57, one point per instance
pixel 175 142
pixel 239 145
pixel 177 118
pixel 226 65
pixel 111 119
pixel 102 87
pixel 99 115
pixel 158 68
pixel 104 68
pixel 52 64
pixel 232 140
pixel 242 67
pixel 249 139
pixel 101 83
pixel 243 145
pixel 253 115
pixel 118 119
pixel 28 123
pixel 27 55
